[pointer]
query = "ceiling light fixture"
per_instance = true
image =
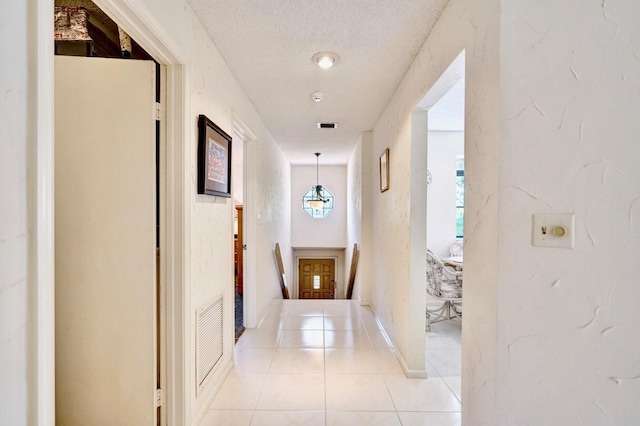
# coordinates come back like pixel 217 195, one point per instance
pixel 325 60
pixel 316 96
pixel 318 201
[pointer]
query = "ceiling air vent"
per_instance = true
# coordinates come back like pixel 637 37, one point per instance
pixel 327 125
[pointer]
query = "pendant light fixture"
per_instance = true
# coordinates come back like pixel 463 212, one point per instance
pixel 317 202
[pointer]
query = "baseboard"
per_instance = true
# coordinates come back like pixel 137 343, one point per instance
pixel 204 408
pixel 410 374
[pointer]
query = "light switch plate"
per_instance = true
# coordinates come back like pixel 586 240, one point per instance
pixel 553 230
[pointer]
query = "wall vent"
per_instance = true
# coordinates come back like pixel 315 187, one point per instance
pixel 209 343
pixel 327 125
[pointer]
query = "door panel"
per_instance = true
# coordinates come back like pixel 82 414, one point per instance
pixel 316 279
pixel 240 252
pixel 105 206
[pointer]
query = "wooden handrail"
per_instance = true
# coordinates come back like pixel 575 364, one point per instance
pixel 353 270
pixel 283 284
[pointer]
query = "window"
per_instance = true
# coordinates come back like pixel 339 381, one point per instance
pixel 459 196
pixel 326 206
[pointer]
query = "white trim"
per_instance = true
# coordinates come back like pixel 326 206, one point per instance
pixel 415 354
pixel 211 395
pixel 43 385
pixel 249 223
pixel 178 298
pixel 409 373
pixel 141 25
pixel 242 128
pixel 449 78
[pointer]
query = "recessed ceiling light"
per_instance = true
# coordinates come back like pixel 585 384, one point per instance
pixel 325 59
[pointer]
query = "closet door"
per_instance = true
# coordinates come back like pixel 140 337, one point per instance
pixel 105 206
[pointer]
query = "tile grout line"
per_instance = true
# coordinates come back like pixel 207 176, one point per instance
pixel 376 351
pixel 324 365
pixel 279 335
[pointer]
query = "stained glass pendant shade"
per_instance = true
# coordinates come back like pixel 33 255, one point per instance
pixel 318 200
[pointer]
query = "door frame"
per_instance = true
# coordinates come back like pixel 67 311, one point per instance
pixel 337 255
pixel 156 41
pixel 42 244
pixel 414 362
pixel 312 257
pixel 249 210
pixel 139 23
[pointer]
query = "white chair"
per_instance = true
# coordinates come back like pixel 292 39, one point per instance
pixel 456 249
pixel 445 284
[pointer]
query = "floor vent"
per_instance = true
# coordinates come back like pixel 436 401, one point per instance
pixel 209 344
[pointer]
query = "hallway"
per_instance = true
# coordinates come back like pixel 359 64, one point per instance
pixel 313 362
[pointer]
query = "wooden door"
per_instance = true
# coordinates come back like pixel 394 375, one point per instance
pixel 240 251
pixel 105 207
pixel 316 279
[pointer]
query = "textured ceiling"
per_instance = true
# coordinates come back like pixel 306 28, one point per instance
pixel 448 113
pixel 268 45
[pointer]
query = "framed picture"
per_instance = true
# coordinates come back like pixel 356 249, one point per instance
pixel 214 159
pixel 384 170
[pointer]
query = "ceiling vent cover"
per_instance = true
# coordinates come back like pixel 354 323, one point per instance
pixel 327 125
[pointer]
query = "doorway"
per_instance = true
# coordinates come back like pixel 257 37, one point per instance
pixel 166 396
pixel 439 122
pixel 316 279
pixel 238 170
pixel 238 245
pixel 445 165
pixel 173 235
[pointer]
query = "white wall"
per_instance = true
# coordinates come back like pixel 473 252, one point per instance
pixel 15 232
pixel 329 231
pixel 354 212
pixel 470 26
pixel 359 188
pixel 549 337
pixel 273 221
pixel 26 253
pixel 442 151
pixel 215 93
pixel 568 319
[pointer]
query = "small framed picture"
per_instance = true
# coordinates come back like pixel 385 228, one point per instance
pixel 384 170
pixel 214 159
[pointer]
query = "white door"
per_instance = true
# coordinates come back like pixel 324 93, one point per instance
pixel 105 208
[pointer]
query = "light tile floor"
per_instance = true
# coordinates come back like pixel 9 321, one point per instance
pixel 313 362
